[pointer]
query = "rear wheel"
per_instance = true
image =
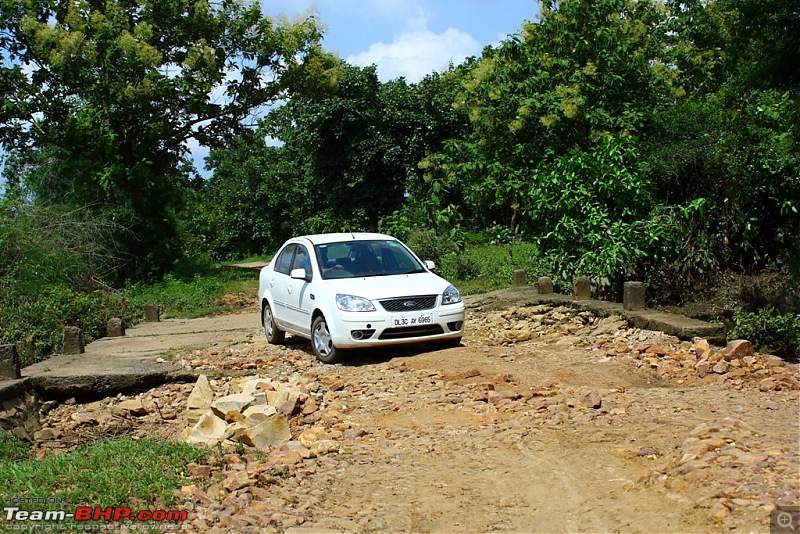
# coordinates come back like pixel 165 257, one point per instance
pixel 271 330
pixel 321 342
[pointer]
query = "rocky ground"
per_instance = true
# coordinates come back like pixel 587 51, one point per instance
pixel 546 419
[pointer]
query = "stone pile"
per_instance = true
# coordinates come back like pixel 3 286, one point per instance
pixel 258 415
pixel 529 323
pixel 69 423
pixel 737 364
pixel 19 416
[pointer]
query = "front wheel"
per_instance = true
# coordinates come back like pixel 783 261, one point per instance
pixel 321 342
pixel 271 331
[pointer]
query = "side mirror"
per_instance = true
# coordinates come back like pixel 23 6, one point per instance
pixel 430 265
pixel 300 274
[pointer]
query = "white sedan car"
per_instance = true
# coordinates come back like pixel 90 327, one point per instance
pixel 345 291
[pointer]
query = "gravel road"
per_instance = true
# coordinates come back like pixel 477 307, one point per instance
pixel 544 420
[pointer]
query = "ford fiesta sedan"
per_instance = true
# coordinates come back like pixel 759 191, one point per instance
pixel 345 291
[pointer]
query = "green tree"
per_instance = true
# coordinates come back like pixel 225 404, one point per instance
pixel 101 98
pixel 733 137
pixel 355 139
pixel 254 201
pixel 346 159
pixel 585 71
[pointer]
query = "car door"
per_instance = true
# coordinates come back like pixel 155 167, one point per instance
pixel 298 292
pixel 277 284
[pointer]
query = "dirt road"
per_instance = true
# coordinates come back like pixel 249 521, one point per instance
pixel 545 420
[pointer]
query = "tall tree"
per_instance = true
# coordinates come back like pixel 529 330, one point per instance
pixel 585 71
pixel 733 137
pixel 102 97
pixel 360 142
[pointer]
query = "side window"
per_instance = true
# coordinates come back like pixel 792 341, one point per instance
pixel 302 260
pixel 283 264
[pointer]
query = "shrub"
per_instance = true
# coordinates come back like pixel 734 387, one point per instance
pixel 35 325
pixel 430 245
pixel 769 331
pixel 460 267
pixel 487 267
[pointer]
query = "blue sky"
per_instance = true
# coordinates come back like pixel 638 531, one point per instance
pixel 411 38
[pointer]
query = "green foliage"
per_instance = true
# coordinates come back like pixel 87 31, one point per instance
pixel 194 293
pixel 12 449
pixel 42 245
pixel 499 234
pixel 481 268
pixel 52 261
pixel 431 245
pixel 112 92
pixel 769 331
pixel 36 325
pixel 594 215
pixel 104 473
pixel 34 322
pixel 585 71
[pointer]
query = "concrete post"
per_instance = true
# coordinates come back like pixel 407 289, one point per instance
pixel 520 278
pixel 9 362
pixel 151 313
pixel 115 327
pixel 633 296
pixel 582 288
pixel 72 340
pixel 545 286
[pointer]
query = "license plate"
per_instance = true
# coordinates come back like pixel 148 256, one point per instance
pixel 413 320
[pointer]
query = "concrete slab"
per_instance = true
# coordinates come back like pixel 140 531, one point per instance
pixel 138 360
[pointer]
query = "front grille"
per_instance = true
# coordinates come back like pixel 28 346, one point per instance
pixel 412 331
pixel 423 302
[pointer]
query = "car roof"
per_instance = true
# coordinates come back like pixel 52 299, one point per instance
pixel 321 239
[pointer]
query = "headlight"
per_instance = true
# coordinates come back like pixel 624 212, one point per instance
pixel 351 303
pixel 451 296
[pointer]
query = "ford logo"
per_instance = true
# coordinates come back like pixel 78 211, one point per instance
pixel 410 303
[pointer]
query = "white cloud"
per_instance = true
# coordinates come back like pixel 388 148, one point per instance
pixel 417 52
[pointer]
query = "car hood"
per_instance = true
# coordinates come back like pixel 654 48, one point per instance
pixel 380 287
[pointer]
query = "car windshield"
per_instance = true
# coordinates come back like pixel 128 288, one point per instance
pixel 355 259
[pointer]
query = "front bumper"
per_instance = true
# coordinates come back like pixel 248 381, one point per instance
pixel 371 329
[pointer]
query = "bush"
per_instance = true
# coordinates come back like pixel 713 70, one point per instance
pixel 35 325
pixel 460 267
pixel 430 245
pixel 487 267
pixel 769 331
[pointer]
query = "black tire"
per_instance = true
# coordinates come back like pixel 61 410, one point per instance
pixel 322 344
pixel 273 334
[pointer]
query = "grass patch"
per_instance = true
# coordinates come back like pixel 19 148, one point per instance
pixel 482 268
pixel 108 473
pixel 196 294
pixel 12 449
